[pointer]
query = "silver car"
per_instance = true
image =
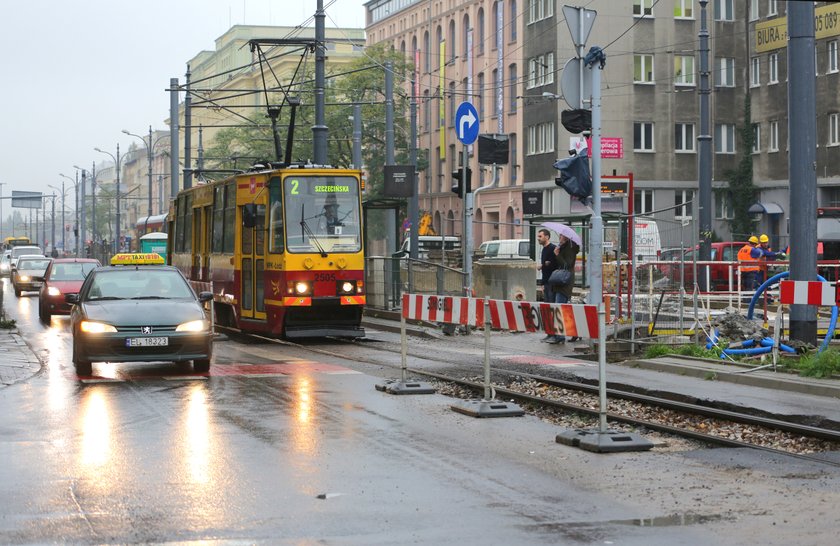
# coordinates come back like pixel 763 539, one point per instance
pixel 25 277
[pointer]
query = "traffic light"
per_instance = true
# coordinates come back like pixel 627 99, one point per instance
pixel 457 182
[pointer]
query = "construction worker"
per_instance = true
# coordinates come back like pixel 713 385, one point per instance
pixel 767 255
pixel 749 255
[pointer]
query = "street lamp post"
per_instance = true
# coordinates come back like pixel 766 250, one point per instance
pixel 117 167
pixel 150 147
pixel 63 238
pixel 76 216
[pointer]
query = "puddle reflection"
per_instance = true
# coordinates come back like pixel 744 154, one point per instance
pixel 96 430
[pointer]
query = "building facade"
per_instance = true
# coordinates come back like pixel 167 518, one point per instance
pixel 463 51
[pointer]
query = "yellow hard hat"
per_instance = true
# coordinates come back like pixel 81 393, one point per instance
pixel 764 238
pixel 753 239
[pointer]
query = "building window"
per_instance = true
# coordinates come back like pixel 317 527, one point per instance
pixel 683 70
pixel 514 167
pixel 725 71
pixel 753 10
pixel 684 137
pixel 480 28
pixel 496 88
pixel 539 10
pixel 723 205
pixel 453 103
pixel 773 68
pixel 427 53
pixel 833 129
pixel 684 9
pixel 512 19
pixel 643 201
pixel 755 72
pixel 643 136
pixel 642 68
pixel 683 201
pixel 756 130
pixel 724 10
pixel 724 138
pixel 451 44
pixel 773 145
pixel 832 56
pixel 465 37
pixel 541 70
pixel 541 138
pixel 512 78
pixel 772 7
pixel 642 8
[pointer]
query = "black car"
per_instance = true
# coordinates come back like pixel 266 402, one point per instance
pixel 132 313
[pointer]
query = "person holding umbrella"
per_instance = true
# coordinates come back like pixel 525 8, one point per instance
pixel 565 254
pixel 547 265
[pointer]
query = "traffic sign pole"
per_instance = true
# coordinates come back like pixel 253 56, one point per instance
pixel 466 127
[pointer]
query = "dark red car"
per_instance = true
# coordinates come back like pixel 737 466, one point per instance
pixel 63 276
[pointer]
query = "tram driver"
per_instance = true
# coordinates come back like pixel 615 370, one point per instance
pixel 329 222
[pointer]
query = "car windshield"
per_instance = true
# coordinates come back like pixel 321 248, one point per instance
pixel 76 271
pixel 138 284
pixel 33 265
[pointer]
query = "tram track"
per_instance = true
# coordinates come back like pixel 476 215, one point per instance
pixel 681 419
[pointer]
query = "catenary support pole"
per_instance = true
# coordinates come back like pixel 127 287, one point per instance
pixel 704 144
pixel 802 162
pixel 175 149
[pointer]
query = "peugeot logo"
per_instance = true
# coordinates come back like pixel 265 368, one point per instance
pixel 146 329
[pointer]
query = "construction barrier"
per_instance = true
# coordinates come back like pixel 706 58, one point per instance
pixel 576 320
pixel 808 293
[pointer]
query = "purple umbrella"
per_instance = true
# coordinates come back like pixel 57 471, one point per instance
pixel 564 230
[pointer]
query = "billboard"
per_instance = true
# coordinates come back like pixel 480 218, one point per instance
pixel 27 199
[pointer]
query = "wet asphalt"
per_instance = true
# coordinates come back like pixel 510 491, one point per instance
pixel 280 446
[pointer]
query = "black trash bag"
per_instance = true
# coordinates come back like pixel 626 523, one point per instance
pixel 576 121
pixel 575 177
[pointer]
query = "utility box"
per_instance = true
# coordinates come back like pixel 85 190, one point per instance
pixel 505 279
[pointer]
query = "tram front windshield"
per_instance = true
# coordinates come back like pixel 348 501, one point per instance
pixel 322 211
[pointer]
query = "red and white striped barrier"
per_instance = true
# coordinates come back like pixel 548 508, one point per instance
pixel 449 309
pixel 576 320
pixel 808 293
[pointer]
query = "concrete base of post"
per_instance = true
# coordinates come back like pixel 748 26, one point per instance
pixel 609 441
pixel 393 386
pixel 488 408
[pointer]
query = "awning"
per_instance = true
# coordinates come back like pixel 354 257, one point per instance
pixel 765 208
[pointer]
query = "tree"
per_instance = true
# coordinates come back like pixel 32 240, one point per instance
pixel 741 187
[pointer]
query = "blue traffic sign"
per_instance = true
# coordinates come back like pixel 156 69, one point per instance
pixel 466 123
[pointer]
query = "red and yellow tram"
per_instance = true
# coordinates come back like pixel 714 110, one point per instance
pixel 283 249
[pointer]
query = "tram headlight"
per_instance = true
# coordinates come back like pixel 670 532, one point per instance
pixel 349 288
pixel 299 288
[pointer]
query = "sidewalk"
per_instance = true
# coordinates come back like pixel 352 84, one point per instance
pixel 17 361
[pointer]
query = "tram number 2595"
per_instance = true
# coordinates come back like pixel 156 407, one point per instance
pixel 324 277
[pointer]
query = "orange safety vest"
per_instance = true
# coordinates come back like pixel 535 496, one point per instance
pixel 744 256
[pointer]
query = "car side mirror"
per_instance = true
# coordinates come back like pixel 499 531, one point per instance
pixel 204 297
pixel 249 215
pixel 71 298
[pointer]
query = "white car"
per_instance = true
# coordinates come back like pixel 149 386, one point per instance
pixel 6 263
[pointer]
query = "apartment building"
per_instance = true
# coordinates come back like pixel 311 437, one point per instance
pixel 466 51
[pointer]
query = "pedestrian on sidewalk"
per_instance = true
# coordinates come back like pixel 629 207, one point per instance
pixel 548 263
pixel 565 254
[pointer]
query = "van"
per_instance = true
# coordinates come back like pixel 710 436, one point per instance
pixel 646 242
pixel 506 249
pixel 426 243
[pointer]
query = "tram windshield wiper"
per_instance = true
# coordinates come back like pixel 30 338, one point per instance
pixel 309 232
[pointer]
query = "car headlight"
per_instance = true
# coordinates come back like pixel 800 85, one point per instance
pixel 53 291
pixel 24 278
pixel 194 326
pixel 91 327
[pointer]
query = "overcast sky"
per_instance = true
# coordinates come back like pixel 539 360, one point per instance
pixel 78 72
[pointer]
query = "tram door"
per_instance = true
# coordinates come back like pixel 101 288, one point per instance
pixel 253 263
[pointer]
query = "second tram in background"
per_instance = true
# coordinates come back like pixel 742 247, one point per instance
pixel 282 246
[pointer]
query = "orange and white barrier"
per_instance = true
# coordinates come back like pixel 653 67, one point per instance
pixel 808 293
pixel 449 309
pixel 576 320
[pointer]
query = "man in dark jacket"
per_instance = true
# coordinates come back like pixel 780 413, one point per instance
pixel 548 263
pixel 565 255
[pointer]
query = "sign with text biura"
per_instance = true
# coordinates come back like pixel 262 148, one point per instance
pixel 772 34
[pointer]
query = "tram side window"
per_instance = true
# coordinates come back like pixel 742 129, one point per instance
pixel 188 212
pixel 179 225
pixel 275 218
pixel 259 230
pixel 230 217
pixel 218 219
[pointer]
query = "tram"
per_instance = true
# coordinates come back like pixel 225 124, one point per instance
pixel 282 246
pixel 11 242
